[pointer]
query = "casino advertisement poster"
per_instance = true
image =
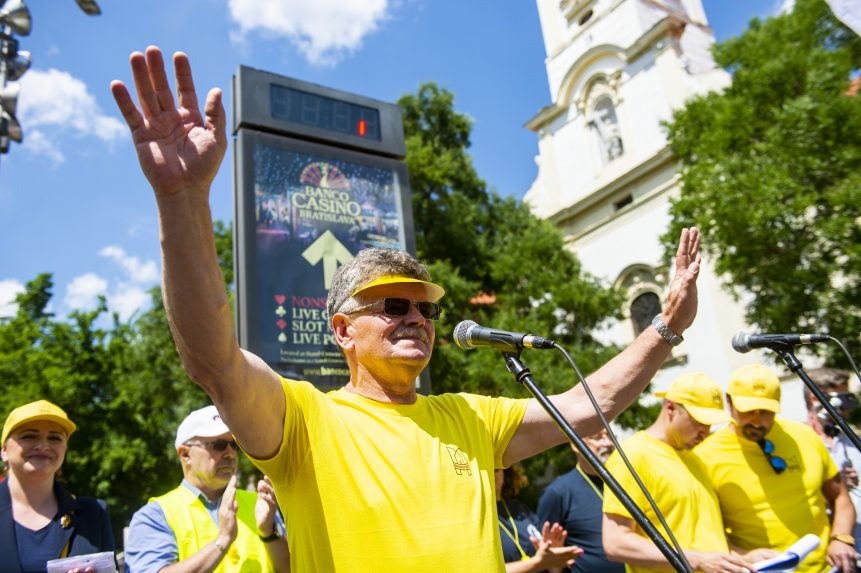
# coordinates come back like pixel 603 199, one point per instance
pixel 312 213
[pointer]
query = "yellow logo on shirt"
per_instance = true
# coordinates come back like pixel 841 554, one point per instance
pixel 459 459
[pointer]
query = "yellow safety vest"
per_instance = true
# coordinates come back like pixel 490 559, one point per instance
pixel 194 528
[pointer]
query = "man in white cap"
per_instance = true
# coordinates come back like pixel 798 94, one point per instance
pixel 206 524
pixel 775 479
pixel 677 480
pixel 376 477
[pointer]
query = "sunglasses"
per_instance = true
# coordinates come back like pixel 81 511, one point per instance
pixel 217 445
pixel 401 307
pixel 777 463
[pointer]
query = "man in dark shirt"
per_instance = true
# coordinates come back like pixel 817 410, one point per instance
pixel 575 501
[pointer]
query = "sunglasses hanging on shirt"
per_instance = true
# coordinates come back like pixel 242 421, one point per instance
pixel 777 463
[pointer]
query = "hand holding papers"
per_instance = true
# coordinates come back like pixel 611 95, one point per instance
pixel 791 557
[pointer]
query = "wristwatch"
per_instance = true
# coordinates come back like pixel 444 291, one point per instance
pixel 844 538
pixel 665 332
pixel 271 537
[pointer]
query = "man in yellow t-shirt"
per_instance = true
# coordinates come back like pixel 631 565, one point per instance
pixel 774 477
pixel 677 481
pixel 373 477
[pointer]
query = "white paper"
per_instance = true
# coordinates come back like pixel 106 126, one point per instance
pixel 100 562
pixel 791 557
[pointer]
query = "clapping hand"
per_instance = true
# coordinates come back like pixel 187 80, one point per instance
pixel 266 507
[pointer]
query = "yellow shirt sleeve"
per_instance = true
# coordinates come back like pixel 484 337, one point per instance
pixel 502 416
pixel 294 441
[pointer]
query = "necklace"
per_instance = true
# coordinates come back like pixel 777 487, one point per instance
pixel 590 482
pixel 513 533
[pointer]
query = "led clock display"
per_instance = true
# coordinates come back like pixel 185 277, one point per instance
pixel 324 113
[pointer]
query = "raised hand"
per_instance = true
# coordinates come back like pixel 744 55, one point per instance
pixel 264 509
pixel 177 147
pixel 681 307
pixel 556 535
pixel 227 526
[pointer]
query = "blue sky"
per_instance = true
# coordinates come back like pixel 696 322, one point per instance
pixel 72 200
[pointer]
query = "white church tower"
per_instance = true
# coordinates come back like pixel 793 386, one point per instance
pixel 617 69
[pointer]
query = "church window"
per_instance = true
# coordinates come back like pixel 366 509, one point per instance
pixel 623 202
pixel 643 309
pixel 585 17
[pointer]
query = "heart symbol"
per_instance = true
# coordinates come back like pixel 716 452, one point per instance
pixel 281 324
pixel 280 298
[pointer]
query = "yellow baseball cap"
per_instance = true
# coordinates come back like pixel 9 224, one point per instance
pixel 700 395
pixel 754 387
pixel 434 291
pixel 34 411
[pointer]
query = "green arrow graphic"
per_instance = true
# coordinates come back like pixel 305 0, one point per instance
pixel 328 248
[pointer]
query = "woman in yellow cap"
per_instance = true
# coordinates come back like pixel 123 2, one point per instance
pixel 39 519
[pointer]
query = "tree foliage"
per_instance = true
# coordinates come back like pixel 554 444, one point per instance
pixel 772 173
pixel 121 383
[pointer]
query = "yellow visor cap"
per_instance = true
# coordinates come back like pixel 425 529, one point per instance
pixel 434 291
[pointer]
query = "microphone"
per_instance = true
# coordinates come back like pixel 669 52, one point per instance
pixel 744 342
pixel 469 335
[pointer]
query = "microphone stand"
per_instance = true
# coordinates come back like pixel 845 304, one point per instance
pixel 522 374
pixel 785 352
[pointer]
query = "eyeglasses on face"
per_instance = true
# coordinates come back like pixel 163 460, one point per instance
pixel 394 306
pixel 216 445
pixel 777 463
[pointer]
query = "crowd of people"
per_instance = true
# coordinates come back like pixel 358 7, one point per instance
pixel 376 477
pixel 731 498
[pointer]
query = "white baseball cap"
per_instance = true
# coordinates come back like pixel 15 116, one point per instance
pixel 203 423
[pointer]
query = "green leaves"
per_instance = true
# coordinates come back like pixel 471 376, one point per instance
pixel 121 383
pixel 770 173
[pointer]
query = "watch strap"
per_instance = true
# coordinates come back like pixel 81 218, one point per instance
pixel 671 337
pixel 271 537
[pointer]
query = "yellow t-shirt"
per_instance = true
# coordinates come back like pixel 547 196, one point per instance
pixel 678 482
pixel 762 508
pixel 368 486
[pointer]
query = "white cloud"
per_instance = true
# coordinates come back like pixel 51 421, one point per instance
pixel 784 7
pixel 83 292
pixel 54 102
pixel 130 295
pixel 127 299
pixel 137 271
pixel 39 143
pixel 322 29
pixel 9 289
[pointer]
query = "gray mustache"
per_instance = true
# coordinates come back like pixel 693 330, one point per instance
pixel 410 332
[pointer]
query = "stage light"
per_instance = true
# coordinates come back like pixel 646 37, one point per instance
pixel 17 61
pixel 90 7
pixel 9 125
pixel 16 15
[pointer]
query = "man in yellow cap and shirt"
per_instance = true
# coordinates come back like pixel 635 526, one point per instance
pixel 775 479
pixel 677 480
pixel 374 477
